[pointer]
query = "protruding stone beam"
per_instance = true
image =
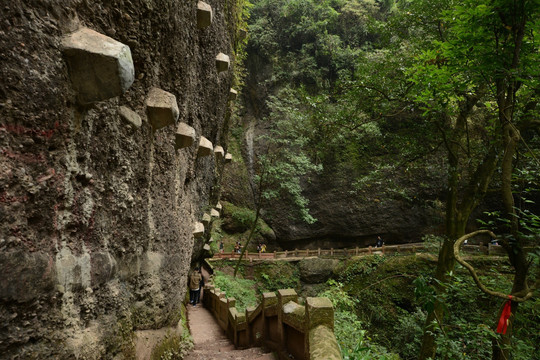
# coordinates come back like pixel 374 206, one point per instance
pixel 205 147
pixel 204 15
pixel 222 62
pixel 219 207
pixel 214 213
pixel 129 116
pixel 206 247
pixel 185 136
pixel 228 157
pixel 161 108
pixel 233 94
pixel 198 229
pixel 99 67
pixel 206 219
pixel 219 152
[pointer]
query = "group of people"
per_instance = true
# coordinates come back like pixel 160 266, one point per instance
pixel 261 248
pixel 238 247
pixel 196 283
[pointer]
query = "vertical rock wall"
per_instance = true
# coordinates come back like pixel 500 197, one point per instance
pixel 96 213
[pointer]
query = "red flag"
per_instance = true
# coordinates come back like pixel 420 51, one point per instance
pixel 505 315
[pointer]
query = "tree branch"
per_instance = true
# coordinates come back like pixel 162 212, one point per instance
pixel 472 271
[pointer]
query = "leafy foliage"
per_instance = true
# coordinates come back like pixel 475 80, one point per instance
pixel 243 290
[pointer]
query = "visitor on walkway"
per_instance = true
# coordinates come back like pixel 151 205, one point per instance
pixel 194 286
pixel 380 242
pixel 221 246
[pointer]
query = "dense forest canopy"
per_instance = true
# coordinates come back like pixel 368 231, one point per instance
pixel 430 101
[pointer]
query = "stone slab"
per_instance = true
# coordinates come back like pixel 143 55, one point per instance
pixel 214 213
pixel 228 157
pixel 233 94
pixel 99 67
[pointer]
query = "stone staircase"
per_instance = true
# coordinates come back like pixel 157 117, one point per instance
pixel 212 343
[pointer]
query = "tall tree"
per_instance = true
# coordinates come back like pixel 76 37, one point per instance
pixel 482 67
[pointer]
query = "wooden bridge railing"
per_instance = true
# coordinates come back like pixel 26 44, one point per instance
pixel 279 323
pixel 357 251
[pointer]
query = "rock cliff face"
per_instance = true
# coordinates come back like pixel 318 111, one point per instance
pixel 97 206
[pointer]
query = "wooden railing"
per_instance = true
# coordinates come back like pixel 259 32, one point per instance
pixel 278 323
pixel 390 249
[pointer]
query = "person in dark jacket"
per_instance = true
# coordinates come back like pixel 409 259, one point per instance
pixel 194 286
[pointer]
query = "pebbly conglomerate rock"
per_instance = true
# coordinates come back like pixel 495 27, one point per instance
pixel 96 208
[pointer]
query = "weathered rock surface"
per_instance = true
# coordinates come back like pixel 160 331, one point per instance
pixel 99 66
pixel 96 218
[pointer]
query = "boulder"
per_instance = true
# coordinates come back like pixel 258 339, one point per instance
pixel 99 67
pixel 161 108
pixel 129 116
pixel 185 136
pixel 222 62
pixel 205 147
pixel 316 270
pixel 204 15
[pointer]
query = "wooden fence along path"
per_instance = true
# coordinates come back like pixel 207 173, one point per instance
pixel 278 323
pixel 390 249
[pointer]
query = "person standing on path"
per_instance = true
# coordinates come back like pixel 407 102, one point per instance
pixel 194 287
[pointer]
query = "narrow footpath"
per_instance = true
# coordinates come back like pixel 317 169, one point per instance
pixel 210 340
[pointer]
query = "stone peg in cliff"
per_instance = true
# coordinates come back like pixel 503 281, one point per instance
pixel 198 229
pixel 161 108
pixel 233 94
pixel 228 157
pixel 206 219
pixel 219 207
pixel 205 147
pixel 219 152
pixel 185 136
pixel 204 15
pixel 222 62
pixel 214 213
pixel 100 67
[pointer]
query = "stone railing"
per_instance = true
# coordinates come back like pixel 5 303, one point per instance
pixel 385 249
pixel 278 323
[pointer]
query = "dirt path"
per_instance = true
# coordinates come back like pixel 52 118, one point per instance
pixel 210 340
